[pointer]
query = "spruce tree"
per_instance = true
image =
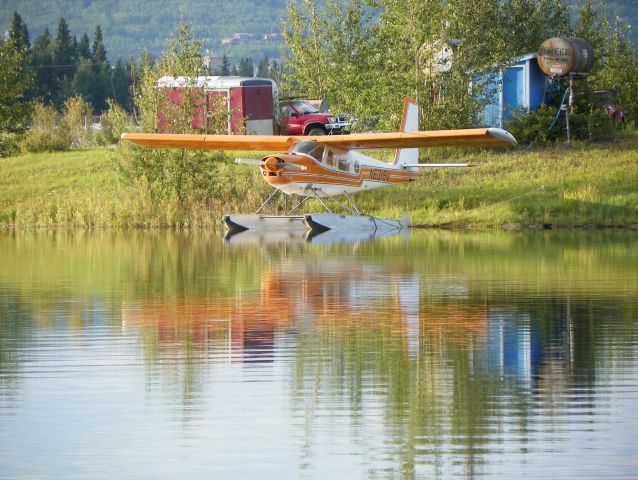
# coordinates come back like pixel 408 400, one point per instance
pixel 64 54
pixel 263 68
pixel 121 85
pixel 84 47
pixel 19 34
pixel 246 68
pixel 66 61
pixel 225 67
pixel 41 62
pixel 99 51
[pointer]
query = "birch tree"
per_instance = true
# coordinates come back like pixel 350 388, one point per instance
pixel 366 56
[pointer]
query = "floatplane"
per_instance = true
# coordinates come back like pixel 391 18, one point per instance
pixel 330 168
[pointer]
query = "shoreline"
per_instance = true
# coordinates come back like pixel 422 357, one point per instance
pixel 578 186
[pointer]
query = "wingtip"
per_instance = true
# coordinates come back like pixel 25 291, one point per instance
pixel 503 135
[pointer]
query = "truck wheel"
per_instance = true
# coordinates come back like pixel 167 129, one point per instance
pixel 316 131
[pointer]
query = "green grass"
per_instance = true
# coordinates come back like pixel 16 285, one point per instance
pixel 80 187
pixel 565 185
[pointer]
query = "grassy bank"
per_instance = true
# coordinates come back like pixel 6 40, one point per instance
pixel 565 185
pixel 575 185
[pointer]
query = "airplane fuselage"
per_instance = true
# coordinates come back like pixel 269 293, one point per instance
pixel 310 169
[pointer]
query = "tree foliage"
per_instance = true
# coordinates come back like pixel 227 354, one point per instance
pixel 366 56
pixel 19 33
pixel 616 65
pixel 14 83
pixel 63 68
pixel 177 181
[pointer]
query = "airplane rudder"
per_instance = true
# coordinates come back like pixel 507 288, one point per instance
pixel 410 120
pixel 409 123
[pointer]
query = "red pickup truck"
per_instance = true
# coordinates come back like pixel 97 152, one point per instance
pixel 300 118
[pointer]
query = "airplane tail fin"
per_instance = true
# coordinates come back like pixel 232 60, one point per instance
pixel 409 123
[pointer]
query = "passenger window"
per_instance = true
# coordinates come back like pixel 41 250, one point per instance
pixel 356 166
pixel 344 164
pixel 330 158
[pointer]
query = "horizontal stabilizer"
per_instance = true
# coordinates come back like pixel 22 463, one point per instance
pixel 440 165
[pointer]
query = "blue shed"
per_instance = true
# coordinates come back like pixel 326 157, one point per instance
pixel 521 85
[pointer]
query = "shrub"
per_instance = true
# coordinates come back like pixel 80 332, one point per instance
pixel 542 126
pixel 533 126
pixel 114 122
pixel 47 132
pixel 9 144
pixel 51 131
pixel 75 113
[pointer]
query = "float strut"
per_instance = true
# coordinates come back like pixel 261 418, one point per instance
pixel 270 197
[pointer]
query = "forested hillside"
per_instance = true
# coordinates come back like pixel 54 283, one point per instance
pixel 130 25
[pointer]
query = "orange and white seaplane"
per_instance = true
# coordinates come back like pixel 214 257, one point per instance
pixel 330 168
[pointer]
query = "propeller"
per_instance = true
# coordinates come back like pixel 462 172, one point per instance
pixel 270 164
pixel 248 161
pixel 292 166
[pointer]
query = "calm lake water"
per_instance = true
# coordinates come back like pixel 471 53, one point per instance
pixel 431 355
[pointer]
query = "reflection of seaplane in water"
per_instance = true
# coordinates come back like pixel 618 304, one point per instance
pixel 329 168
pixel 339 297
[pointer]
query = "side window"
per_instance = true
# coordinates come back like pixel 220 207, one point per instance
pixel 330 159
pixel 344 164
pixel 356 166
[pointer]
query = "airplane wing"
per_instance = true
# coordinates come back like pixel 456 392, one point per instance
pixel 212 142
pixel 479 137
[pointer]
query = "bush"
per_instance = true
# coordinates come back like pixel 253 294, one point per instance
pixel 52 132
pixel 75 112
pixel 542 126
pixel 9 144
pixel 47 132
pixel 114 122
pixel 533 126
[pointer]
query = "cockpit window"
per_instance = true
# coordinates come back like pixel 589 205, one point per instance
pixel 313 149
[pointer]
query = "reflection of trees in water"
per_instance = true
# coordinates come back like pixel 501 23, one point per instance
pixel 26 317
pixel 470 388
pixel 14 338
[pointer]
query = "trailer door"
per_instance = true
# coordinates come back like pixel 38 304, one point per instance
pixel 257 101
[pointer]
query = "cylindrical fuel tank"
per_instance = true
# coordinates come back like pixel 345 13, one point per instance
pixel 563 55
